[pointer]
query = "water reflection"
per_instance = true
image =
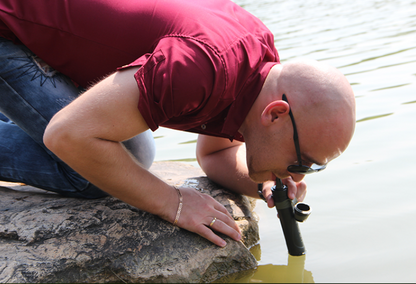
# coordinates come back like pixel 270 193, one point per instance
pixel 293 272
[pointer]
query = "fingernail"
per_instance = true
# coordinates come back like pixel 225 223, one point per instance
pixel 223 244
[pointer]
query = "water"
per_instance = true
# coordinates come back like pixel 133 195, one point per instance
pixel 362 228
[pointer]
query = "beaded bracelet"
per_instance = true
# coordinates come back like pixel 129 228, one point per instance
pixel 178 213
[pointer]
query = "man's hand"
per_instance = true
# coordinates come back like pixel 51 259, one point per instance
pixel 295 190
pixel 199 210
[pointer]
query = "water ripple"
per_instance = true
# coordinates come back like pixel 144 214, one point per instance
pixel 372 42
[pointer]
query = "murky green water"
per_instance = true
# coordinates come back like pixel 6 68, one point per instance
pixel 363 225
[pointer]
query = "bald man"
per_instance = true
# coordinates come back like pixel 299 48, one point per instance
pixel 203 66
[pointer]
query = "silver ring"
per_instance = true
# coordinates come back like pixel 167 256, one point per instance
pixel 213 221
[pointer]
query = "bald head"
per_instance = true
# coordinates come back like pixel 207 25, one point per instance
pixel 322 101
pixel 314 82
pixel 323 106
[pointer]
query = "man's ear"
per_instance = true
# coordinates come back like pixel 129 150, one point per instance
pixel 273 111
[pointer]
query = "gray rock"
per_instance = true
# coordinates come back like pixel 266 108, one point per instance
pixel 48 238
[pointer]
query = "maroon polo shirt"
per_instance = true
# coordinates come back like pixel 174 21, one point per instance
pixel 203 62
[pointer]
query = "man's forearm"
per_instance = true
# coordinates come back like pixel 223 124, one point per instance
pixel 228 168
pixel 111 168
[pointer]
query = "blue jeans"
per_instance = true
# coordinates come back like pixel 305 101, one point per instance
pixel 31 92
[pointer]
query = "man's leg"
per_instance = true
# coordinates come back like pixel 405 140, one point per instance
pixel 30 94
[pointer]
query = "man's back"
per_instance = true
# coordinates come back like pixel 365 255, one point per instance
pixel 88 39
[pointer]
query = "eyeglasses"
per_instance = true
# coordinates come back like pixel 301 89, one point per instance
pixel 300 169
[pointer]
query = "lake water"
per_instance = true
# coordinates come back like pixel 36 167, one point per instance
pixel 363 225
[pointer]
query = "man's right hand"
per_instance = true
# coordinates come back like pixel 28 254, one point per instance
pixel 295 190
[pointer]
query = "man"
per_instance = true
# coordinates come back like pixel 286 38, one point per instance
pixel 202 66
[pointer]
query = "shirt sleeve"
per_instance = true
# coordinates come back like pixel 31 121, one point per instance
pixel 176 83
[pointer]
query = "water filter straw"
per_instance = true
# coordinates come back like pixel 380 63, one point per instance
pixel 287 212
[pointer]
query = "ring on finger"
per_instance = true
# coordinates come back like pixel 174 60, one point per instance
pixel 213 221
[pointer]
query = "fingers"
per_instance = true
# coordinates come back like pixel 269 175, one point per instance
pixel 218 225
pixel 218 206
pixel 209 234
pixel 200 210
pixel 224 223
pixel 301 192
pixel 295 189
pixel 267 193
pixel 270 202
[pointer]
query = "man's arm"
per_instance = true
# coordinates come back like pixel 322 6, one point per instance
pixel 87 135
pixel 225 163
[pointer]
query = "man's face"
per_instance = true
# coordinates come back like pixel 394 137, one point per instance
pixel 266 161
pixel 269 158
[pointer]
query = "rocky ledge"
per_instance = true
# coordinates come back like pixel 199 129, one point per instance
pixel 48 238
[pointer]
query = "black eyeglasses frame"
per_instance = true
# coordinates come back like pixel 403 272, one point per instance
pixel 299 168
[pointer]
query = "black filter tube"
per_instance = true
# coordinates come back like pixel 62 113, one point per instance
pixel 290 226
